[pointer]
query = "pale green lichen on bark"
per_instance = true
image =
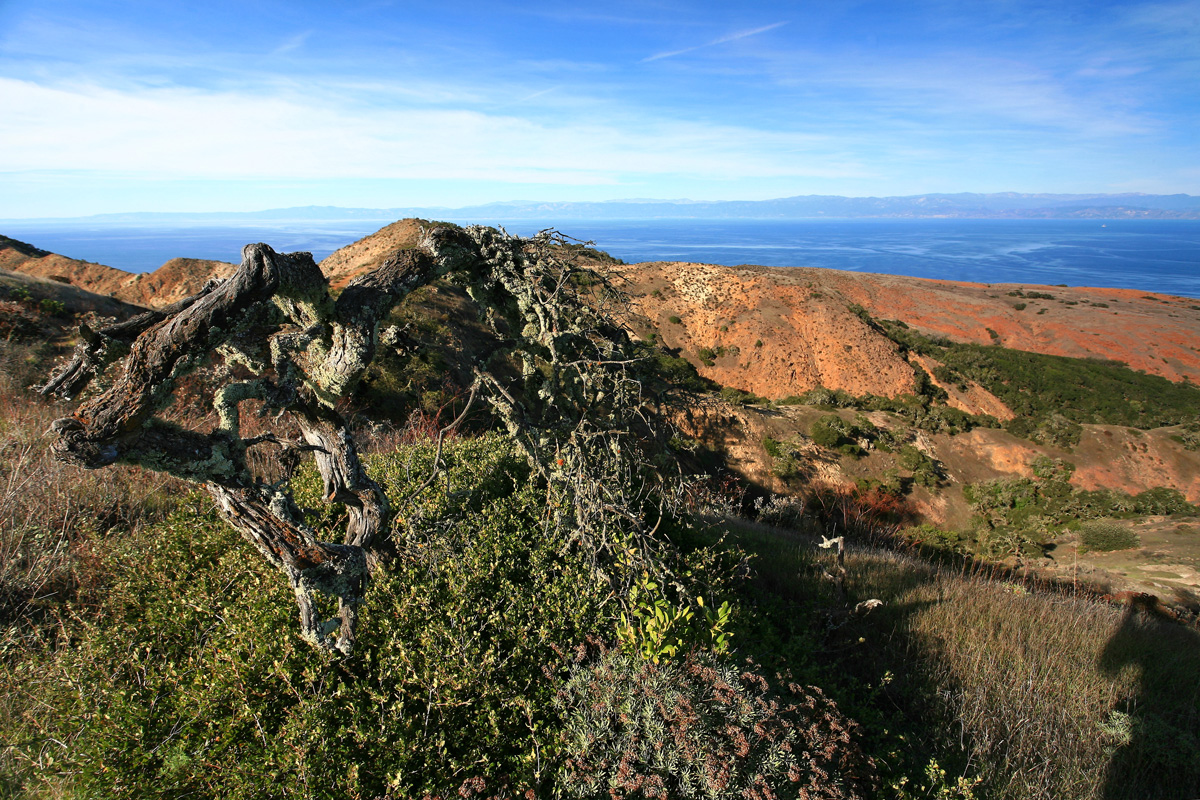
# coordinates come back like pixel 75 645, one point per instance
pixel 226 400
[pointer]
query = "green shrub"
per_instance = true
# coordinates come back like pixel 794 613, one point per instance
pixel 1003 541
pixel 1189 436
pixel 926 471
pixel 1055 469
pixel 742 397
pixel 829 398
pixel 1096 503
pixel 709 355
pixel 1105 535
pixel 674 320
pixel 829 431
pixel 674 371
pixel 1040 387
pixel 199 685
pixel 933 536
pixel 1163 500
pixel 1053 429
pixel 52 307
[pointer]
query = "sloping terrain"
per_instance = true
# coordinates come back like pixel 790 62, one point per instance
pixel 369 252
pixel 804 318
pixel 1157 333
pixel 811 336
pixel 768 332
pixel 74 299
pixel 778 333
pixel 174 280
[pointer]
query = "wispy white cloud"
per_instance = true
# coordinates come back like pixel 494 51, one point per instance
pixel 186 133
pixel 292 43
pixel 848 98
pixel 538 94
pixel 966 92
pixel 733 37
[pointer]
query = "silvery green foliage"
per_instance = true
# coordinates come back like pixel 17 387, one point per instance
pixel 581 409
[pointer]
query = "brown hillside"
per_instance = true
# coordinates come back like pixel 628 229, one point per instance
pixel 810 337
pixel 771 331
pixel 802 317
pixel 174 280
pixel 97 278
pixel 1153 332
pixel 369 252
pixel 74 299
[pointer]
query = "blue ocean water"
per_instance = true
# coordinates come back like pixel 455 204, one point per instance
pixel 1151 255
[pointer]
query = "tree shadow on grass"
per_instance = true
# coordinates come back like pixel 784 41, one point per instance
pixel 1157 728
pixel 798 620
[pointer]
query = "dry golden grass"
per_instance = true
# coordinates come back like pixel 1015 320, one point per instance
pixel 52 515
pixel 1050 696
pixel 1063 697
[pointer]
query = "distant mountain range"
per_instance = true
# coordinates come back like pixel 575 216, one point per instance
pixel 966 205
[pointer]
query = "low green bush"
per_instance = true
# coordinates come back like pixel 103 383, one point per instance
pixel 830 431
pixel 933 536
pixel 1104 535
pixel 740 397
pixel 1162 500
pixel 1189 436
pixel 199 685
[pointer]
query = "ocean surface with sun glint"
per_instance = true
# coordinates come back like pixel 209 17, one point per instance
pixel 1152 255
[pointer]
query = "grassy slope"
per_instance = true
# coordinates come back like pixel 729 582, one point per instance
pixel 1037 696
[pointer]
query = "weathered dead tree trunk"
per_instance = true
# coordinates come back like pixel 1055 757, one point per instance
pixel 315 353
pixel 305 350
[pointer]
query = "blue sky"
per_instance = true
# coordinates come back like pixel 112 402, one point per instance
pixel 213 106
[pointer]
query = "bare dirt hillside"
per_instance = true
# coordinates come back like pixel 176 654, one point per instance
pixel 768 332
pixel 74 299
pixel 181 277
pixel 1157 333
pixel 369 252
pixel 174 280
pixel 782 331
